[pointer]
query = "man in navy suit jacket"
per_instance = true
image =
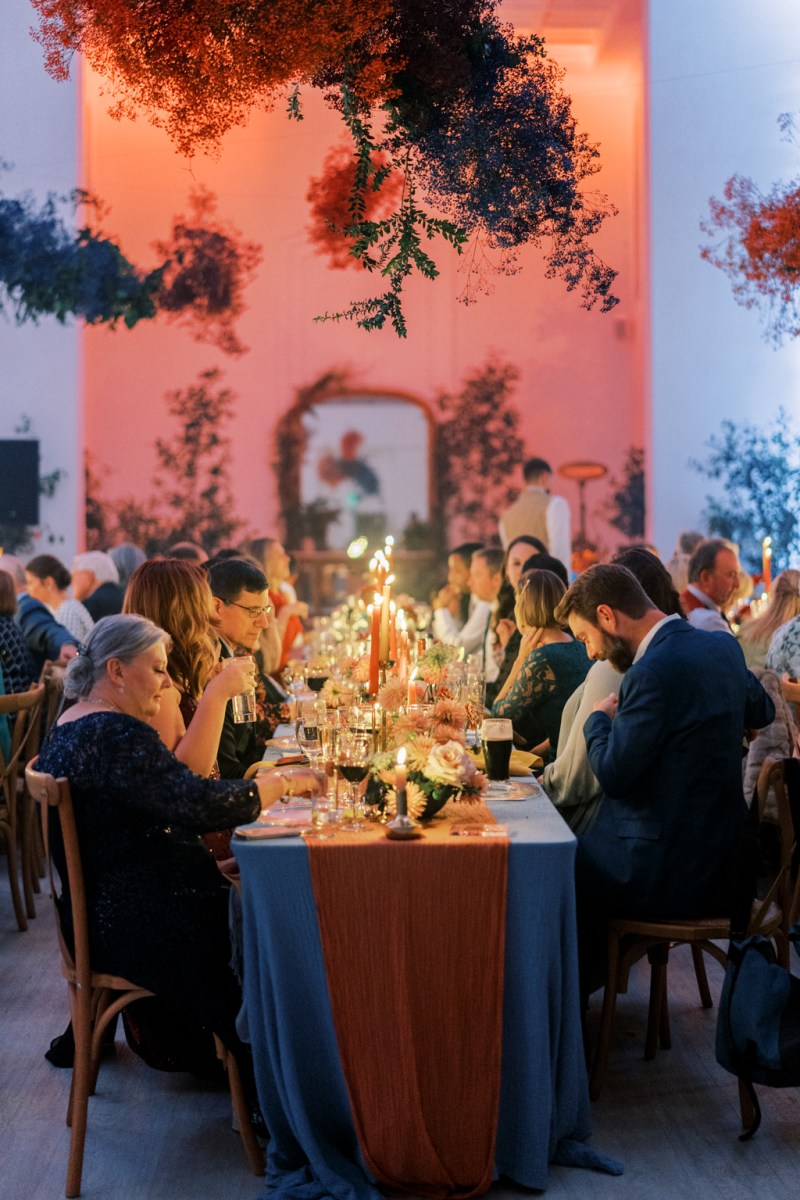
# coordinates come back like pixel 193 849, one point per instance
pixel 667 752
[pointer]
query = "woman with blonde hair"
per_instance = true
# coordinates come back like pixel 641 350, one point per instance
pixel 174 594
pixel 756 634
pixel 549 667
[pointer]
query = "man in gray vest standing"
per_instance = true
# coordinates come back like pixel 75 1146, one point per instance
pixel 537 513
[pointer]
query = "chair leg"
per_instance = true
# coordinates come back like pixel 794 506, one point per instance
pixel 253 1151
pixel 745 1106
pixel 657 1024
pixel 607 1019
pixel 26 858
pixel 8 836
pixel 702 978
pixel 77 1112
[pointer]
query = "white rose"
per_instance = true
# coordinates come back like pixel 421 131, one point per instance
pixel 449 763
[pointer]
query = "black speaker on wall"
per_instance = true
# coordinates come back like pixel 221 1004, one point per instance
pixel 19 481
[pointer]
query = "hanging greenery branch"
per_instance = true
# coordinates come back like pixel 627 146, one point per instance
pixel 471 116
pixel 48 268
pixel 392 246
pixel 760 248
pixel 330 199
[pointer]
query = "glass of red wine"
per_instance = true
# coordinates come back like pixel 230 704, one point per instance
pixel 352 763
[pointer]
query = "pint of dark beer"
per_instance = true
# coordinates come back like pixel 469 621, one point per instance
pixel 497 741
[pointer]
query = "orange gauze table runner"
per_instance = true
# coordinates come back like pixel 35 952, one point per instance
pixel 413 937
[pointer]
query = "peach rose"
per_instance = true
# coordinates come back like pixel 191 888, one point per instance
pixel 449 763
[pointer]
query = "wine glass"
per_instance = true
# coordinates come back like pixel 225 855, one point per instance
pixel 353 765
pixel 307 730
pixel 316 678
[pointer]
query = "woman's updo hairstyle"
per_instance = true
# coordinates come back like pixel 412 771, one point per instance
pixel 124 637
pixel 45 566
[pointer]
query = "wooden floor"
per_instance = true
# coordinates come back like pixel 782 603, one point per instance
pixel 673 1122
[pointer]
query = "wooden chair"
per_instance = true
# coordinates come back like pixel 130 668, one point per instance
pixel 630 940
pixel 790 689
pixel 32 858
pixel 96 997
pixel 27 706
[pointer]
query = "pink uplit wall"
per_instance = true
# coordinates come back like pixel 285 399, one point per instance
pixel 582 375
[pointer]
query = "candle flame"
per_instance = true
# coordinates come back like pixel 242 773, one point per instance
pixel 401 756
pixel 378 599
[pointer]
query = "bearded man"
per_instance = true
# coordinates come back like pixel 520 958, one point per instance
pixel 667 836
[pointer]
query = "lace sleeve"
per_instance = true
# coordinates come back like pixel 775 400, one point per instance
pixel 535 682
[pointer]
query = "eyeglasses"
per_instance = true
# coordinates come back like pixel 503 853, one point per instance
pixel 257 610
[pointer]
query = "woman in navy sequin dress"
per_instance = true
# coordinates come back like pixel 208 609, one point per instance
pixel 157 905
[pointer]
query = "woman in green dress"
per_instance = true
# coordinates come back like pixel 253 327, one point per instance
pixel 549 667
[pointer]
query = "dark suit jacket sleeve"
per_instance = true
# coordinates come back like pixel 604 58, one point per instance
pixel 619 751
pixel 40 629
pixel 759 710
pixel 238 748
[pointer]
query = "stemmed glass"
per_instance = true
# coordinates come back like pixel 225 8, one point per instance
pixel 307 731
pixel 352 763
pixel 329 732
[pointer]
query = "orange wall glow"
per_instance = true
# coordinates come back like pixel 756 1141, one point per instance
pixel 581 389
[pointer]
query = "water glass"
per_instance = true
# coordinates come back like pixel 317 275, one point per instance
pixel 307 732
pixel 244 707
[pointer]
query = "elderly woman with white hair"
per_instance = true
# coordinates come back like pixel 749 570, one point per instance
pixel 157 905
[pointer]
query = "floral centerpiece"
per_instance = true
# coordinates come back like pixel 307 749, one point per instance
pixel 436 772
pixel 432 664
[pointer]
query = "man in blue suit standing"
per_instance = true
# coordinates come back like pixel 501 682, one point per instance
pixel 667 837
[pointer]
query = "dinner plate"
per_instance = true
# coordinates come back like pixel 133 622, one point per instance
pixel 287 742
pixel 518 789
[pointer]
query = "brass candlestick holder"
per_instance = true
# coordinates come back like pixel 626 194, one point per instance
pixel 403 828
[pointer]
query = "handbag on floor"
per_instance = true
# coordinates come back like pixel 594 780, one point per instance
pixel 758 1021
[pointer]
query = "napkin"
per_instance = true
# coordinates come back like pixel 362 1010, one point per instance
pixel 259 832
pixel 522 763
pixel 266 764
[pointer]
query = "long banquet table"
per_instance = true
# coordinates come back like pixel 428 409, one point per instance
pixel 543 1108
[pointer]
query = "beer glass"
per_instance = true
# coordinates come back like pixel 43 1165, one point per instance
pixel 497 740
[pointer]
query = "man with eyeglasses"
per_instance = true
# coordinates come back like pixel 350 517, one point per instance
pixel 713 580
pixel 243 610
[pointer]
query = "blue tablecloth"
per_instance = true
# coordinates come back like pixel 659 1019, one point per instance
pixel 544 1105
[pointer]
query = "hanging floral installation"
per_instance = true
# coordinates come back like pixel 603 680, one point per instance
pixel 760 247
pixel 207 266
pixel 447 109
pixel 329 201
pixel 50 268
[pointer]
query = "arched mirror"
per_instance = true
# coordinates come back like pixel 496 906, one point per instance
pixel 355 463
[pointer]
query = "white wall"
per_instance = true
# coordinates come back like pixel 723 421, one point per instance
pixel 40 364
pixel 721 71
